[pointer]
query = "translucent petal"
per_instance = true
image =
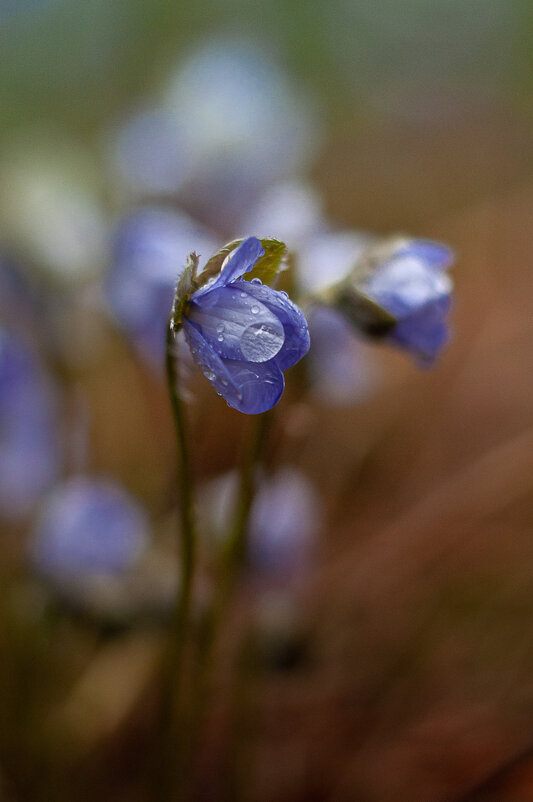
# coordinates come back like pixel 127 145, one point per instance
pixel 433 254
pixel 260 384
pixel 406 284
pixel 240 261
pixel 426 331
pixel 236 326
pixel 211 365
pixel 247 386
pixel 294 324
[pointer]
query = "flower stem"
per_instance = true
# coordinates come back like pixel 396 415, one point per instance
pixel 230 566
pixel 176 727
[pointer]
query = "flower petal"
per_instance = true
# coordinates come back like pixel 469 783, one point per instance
pixel 211 364
pixel 237 326
pixel 239 262
pixel 260 384
pixel 433 254
pixel 405 284
pixel 426 331
pixel 249 387
pixel 297 341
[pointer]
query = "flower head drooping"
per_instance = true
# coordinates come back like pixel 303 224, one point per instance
pixel 399 291
pixel 243 334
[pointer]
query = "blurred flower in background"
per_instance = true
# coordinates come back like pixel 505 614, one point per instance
pixel 227 125
pixel 150 250
pixel 285 522
pixel 411 285
pixel 290 211
pixel 89 527
pixel 341 368
pixel 29 431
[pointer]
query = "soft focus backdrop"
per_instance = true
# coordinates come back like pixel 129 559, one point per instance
pixel 390 579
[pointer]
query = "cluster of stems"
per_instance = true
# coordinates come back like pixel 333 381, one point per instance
pixel 185 703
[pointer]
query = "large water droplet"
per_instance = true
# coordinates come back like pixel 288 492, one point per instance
pixel 262 341
pixel 256 281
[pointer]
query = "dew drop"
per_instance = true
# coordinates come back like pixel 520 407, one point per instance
pixel 220 327
pixel 254 310
pixel 283 294
pixel 256 281
pixel 220 338
pixel 244 294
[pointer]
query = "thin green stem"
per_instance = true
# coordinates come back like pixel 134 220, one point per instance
pixel 185 479
pixel 229 569
pixel 174 727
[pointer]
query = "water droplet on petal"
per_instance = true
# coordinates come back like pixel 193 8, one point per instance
pixel 283 294
pixel 261 342
pixel 220 327
pixel 256 281
pixel 220 338
pixel 244 294
pixel 254 310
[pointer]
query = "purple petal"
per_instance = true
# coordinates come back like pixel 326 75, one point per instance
pixel 297 341
pixel 260 384
pixel 211 365
pixel 433 254
pixel 405 284
pixel 240 261
pixel 237 326
pixel 249 387
pixel 89 526
pixel 425 332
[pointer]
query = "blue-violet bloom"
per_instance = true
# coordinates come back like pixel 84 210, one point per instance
pixel 244 334
pixel 399 291
pixel 412 285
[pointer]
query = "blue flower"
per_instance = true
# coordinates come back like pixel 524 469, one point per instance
pixel 243 334
pixel 29 451
pixel 339 364
pixel 148 245
pixel 411 285
pixel 89 527
pixel 285 520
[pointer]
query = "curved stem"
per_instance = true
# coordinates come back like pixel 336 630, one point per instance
pixel 185 473
pixel 174 727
